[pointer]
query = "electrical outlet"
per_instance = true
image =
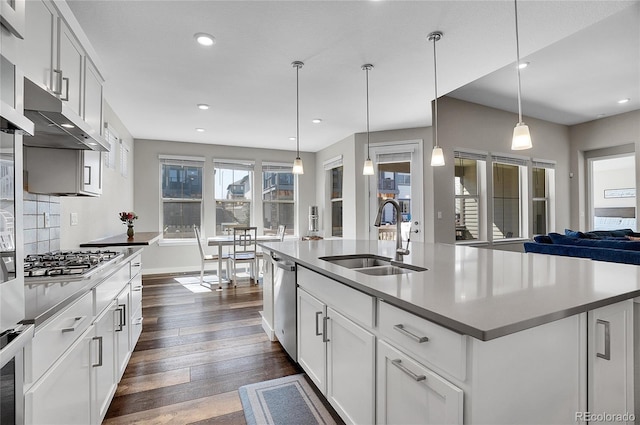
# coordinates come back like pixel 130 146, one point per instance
pixel 74 219
pixel 439 215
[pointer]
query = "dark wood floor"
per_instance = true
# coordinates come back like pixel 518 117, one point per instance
pixel 195 351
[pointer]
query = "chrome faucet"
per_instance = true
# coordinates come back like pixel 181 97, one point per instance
pixel 400 251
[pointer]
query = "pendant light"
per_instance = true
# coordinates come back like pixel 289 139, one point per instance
pixel 437 156
pixel 521 136
pixel 297 163
pixel 367 170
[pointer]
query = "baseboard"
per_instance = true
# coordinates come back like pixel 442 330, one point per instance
pixel 271 334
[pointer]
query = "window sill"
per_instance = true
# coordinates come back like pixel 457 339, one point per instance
pixel 176 242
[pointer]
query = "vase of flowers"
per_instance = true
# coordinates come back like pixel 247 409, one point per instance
pixel 127 218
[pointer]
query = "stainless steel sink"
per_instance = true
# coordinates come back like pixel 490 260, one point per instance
pixel 373 265
pixel 358 261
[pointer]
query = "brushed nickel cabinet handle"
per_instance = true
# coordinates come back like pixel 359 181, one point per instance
pixel 87 175
pixel 607 340
pixel 419 339
pixel 76 323
pixel 398 363
pixel 318 333
pixel 137 288
pixel 58 82
pixel 325 319
pixel 99 339
pixel 66 96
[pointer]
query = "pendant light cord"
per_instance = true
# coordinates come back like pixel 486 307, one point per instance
pixel 366 68
pixel 515 3
pixel 297 113
pixel 435 36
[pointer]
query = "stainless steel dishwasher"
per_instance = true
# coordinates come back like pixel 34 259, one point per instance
pixel 284 300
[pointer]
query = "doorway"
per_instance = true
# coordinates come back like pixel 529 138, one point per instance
pixel 398 176
pixel 612 192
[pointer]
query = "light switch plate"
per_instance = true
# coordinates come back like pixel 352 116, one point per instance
pixel 74 219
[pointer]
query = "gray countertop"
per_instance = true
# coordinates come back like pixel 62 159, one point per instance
pixel 45 297
pixel 479 292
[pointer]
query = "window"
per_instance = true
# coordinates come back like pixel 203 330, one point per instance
pixel 278 204
pixel 114 141
pixel 124 159
pixel 543 179
pixel 232 190
pixel 508 194
pixel 334 171
pixel 181 185
pixel 468 184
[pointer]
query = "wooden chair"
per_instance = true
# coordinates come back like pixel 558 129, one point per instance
pixel 244 251
pixel 207 258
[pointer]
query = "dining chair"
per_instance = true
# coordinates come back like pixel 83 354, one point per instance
pixel 207 258
pixel 280 233
pixel 244 252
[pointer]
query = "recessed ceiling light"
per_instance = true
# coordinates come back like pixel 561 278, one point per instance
pixel 316 121
pixel 292 138
pixel 624 100
pixel 523 65
pixel 203 106
pixel 65 125
pixel 205 39
pixel 200 130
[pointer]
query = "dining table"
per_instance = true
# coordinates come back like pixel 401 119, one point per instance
pixel 227 240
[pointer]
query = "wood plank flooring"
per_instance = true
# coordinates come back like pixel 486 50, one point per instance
pixel 195 351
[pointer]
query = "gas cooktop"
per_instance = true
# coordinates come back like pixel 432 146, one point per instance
pixel 66 263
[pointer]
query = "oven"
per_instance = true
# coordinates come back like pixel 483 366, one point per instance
pixel 12 344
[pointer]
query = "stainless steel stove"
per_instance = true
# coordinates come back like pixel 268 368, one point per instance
pixel 66 263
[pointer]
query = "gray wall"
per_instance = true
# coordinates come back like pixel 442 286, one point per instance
pixel 167 258
pixel 468 125
pixel 98 217
pixel 615 131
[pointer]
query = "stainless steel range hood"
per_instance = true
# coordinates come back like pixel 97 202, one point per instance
pixel 56 126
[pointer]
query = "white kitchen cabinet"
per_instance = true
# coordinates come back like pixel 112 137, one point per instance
pixel 611 359
pixel 123 321
pixel 350 369
pixel 61 396
pixel 312 355
pixel 103 363
pixel 337 353
pixel 63 171
pixel 93 93
pixel 69 69
pixel 410 393
pixel 42 30
pixel 136 310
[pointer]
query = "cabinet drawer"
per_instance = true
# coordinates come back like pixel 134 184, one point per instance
pixel 135 266
pixel 442 348
pixel 136 293
pixel 108 290
pixel 57 336
pixel 136 327
pixel 348 301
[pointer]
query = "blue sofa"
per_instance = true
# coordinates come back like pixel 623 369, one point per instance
pixel 612 246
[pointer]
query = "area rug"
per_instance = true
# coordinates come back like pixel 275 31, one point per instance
pixel 283 401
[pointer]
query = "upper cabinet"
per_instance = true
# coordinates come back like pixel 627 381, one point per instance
pixel 12 16
pixel 58 60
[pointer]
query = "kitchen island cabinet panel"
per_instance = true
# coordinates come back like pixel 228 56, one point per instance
pixel 312 354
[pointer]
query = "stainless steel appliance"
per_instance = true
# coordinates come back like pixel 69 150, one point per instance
pixel 12 343
pixel 66 264
pixel 284 301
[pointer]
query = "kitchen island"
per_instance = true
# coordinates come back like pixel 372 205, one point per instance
pixel 500 337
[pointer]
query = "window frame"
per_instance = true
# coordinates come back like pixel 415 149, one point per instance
pixel 523 165
pixel 182 161
pixel 240 165
pixel 548 199
pixel 267 167
pixel 329 165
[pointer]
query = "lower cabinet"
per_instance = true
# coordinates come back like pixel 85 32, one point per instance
pixel 339 357
pixel 610 359
pixel 61 395
pixel 410 393
pixel 103 365
pixel 122 328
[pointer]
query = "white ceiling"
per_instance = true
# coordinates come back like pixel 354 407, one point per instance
pixel 581 62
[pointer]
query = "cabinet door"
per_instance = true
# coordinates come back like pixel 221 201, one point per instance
pixel 610 375
pixel 62 395
pixel 103 363
pixel 12 16
pixel 409 393
pixel 123 325
pixel 70 57
pixel 312 355
pixel 350 369
pixel 93 97
pixel 135 304
pixel 41 23
pixel 92 172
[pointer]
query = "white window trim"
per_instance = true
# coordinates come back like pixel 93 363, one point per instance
pixel 481 197
pixel 296 195
pixel 242 165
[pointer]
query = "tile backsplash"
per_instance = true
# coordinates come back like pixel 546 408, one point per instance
pixel 40 237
